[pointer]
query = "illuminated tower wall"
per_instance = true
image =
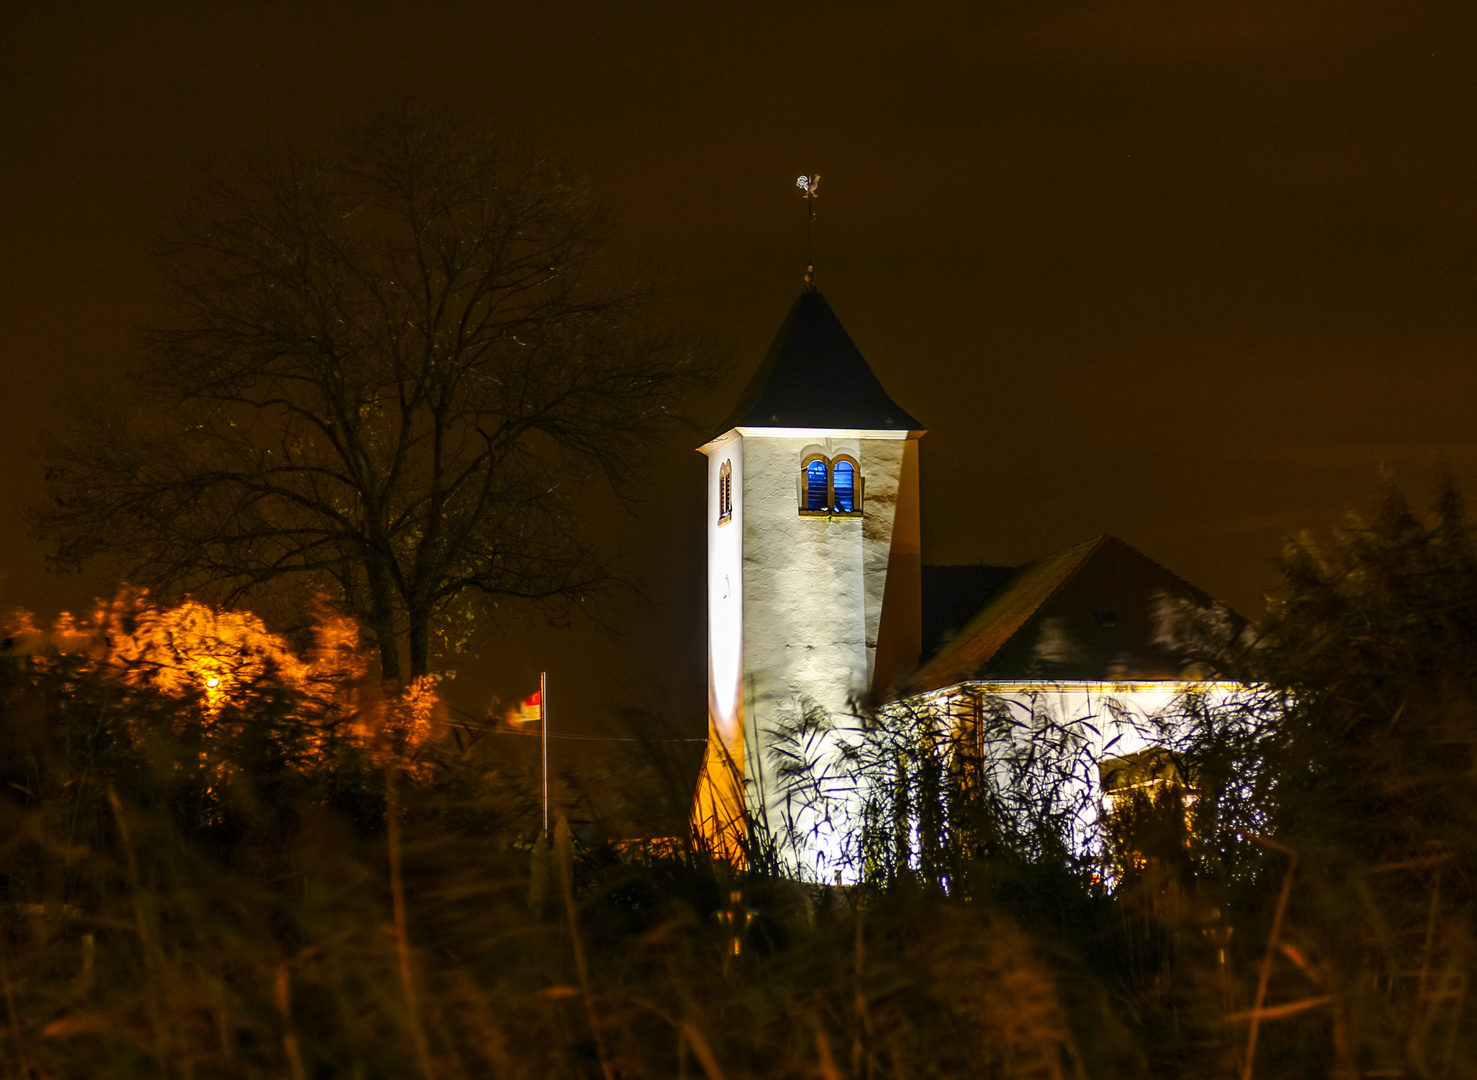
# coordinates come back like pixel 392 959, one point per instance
pixel 806 606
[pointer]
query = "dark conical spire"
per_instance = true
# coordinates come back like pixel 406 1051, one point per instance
pixel 814 377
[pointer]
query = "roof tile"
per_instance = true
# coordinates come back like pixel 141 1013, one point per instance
pixel 814 376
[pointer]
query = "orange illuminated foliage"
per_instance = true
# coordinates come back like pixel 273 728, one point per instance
pixel 223 658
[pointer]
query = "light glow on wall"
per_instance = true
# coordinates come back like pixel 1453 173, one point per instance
pixel 1088 722
pixel 725 589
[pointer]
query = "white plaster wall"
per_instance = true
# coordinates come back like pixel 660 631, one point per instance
pixel 1101 720
pixel 726 596
pixel 812 590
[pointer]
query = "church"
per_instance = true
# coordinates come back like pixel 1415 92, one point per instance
pixel 819 598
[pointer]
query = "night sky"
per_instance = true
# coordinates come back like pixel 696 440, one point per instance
pixel 1186 272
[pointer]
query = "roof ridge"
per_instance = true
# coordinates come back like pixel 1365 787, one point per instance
pixel 1087 548
pixel 1183 581
pixel 1077 556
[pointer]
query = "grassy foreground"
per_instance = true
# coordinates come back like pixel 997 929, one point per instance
pixel 258 888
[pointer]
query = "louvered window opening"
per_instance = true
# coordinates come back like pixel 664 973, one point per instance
pixel 844 487
pixel 831 486
pixel 815 486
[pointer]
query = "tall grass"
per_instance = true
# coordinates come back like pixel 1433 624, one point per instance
pixel 190 891
pixel 178 902
pixel 1301 901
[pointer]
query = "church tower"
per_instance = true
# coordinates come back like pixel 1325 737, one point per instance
pixel 814 562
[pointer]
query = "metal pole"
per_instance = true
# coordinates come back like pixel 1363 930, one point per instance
pixel 543 711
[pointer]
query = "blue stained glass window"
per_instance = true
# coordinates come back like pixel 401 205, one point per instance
pixel 845 487
pixel 815 485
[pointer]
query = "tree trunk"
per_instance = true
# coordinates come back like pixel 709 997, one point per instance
pixel 389 653
pixel 382 622
pixel 420 645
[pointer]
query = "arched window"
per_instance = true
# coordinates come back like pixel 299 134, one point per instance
pixel 725 493
pixel 830 487
pixel 843 487
pixel 817 497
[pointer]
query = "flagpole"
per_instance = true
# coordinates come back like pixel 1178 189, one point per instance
pixel 543 711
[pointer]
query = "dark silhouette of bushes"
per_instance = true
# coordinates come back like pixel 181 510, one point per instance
pixel 249 891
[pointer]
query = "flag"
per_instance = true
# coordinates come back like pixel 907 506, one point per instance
pixel 531 708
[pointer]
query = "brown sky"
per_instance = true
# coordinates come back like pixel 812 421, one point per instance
pixel 1188 272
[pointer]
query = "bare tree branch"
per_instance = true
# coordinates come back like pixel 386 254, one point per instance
pixel 390 371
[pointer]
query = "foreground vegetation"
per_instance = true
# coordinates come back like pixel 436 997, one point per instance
pixel 267 885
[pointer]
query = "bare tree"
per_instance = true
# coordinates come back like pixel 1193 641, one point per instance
pixel 390 370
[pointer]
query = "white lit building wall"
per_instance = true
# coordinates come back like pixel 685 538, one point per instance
pixel 1092 720
pixel 726 594
pixel 812 594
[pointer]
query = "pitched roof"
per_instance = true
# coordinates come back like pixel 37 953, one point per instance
pixel 1004 614
pixel 1100 610
pixel 813 376
pixel 952 595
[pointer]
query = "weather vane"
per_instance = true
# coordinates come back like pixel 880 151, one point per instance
pixel 808 184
